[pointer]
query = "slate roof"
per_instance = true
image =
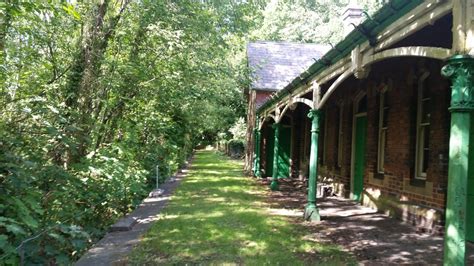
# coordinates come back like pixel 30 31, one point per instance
pixel 275 64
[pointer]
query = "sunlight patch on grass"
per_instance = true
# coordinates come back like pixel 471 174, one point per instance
pixel 217 216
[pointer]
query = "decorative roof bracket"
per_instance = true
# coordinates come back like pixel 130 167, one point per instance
pixel 360 28
pixel 360 71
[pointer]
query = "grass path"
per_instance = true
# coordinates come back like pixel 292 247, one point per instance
pixel 218 216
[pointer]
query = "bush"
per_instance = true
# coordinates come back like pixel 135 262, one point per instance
pixel 235 148
pixel 238 129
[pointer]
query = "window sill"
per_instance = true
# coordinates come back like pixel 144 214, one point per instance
pixel 379 175
pixel 418 186
pixel 417 182
pixel 378 179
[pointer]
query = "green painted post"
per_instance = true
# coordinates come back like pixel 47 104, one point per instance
pixel 460 69
pixel 256 163
pixel 311 212
pixel 257 156
pixel 254 150
pixel 274 185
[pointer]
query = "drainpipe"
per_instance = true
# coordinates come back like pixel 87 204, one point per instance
pixel 460 70
pixel 311 211
pixel 274 185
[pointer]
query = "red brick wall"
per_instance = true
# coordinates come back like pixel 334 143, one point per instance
pixel 255 99
pixel 395 192
pixel 262 97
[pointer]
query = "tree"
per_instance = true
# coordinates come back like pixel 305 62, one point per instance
pixel 306 21
pixel 96 95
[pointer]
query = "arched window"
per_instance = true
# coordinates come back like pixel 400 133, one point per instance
pixel 362 105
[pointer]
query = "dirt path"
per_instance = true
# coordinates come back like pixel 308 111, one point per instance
pixel 372 237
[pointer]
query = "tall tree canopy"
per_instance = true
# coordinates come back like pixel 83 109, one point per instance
pixel 95 94
pixel 306 21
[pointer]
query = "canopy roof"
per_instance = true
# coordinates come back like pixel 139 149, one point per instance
pixel 366 31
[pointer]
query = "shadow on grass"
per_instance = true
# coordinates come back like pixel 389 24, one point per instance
pixel 217 217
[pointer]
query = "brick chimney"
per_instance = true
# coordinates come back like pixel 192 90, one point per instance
pixel 352 15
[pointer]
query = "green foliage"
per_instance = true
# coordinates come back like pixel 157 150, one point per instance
pixel 239 129
pixel 306 21
pixel 235 148
pixel 95 95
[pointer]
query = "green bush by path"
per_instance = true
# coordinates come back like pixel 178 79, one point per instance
pixel 218 216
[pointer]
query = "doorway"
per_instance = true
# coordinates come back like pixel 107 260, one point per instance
pixel 359 140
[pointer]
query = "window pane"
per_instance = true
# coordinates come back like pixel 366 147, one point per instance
pixel 426 148
pixel 426 89
pixel 385 116
pixel 362 108
pixel 384 157
pixel 337 138
pixel 385 99
pixel 381 153
pixel 425 160
pixel 426 111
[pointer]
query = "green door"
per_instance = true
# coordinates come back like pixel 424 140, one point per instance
pixel 359 163
pixel 284 150
pixel 470 210
pixel 269 152
pixel 470 197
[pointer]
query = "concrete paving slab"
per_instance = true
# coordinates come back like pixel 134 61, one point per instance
pixel 113 248
pixel 124 224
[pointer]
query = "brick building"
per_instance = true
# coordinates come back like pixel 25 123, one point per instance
pixel 272 65
pixel 385 117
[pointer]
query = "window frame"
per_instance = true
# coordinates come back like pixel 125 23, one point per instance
pixel 307 138
pixel 421 129
pixel 382 143
pixel 325 141
pixel 340 135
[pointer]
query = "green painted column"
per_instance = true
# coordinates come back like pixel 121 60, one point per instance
pixel 274 185
pixel 311 211
pixel 460 69
pixel 254 163
pixel 256 166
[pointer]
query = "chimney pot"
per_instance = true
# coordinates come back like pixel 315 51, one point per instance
pixel 353 14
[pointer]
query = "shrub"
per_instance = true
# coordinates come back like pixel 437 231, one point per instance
pixel 236 148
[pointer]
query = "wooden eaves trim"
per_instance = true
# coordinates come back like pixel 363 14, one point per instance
pixel 421 16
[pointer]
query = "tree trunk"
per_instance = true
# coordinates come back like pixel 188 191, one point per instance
pixel 250 128
pixel 82 98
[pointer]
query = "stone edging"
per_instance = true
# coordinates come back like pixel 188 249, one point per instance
pixel 126 233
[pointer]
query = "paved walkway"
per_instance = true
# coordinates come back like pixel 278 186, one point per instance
pixel 374 238
pixel 115 246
